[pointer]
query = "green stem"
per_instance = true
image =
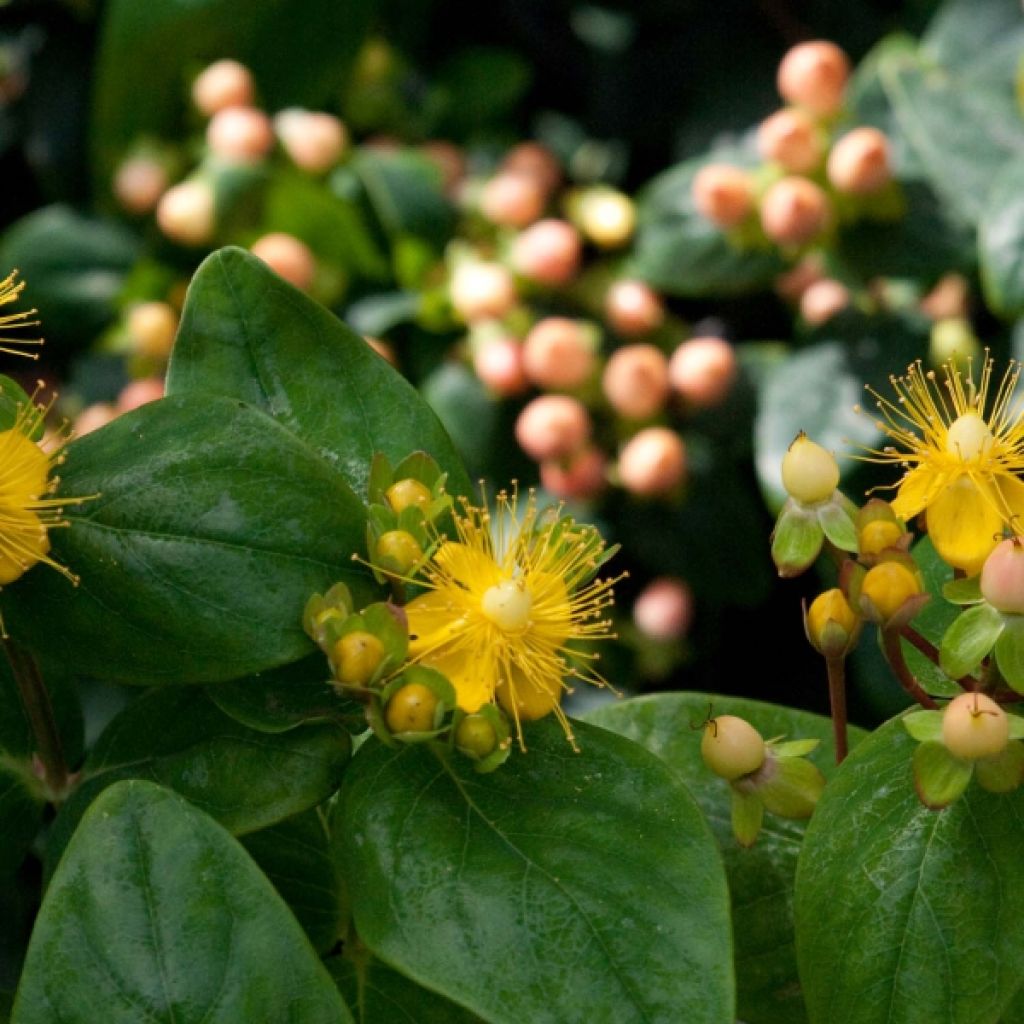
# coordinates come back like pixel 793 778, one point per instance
pixel 837 699
pixel 894 656
pixel 35 699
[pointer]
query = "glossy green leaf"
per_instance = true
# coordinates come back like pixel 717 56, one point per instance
pixel 761 878
pixel 247 334
pixel 12 400
pixel 924 726
pixel 898 907
pixel 747 817
pixel 963 591
pixel 21 812
pixel 932 620
pixel 939 777
pixel 1001 242
pixel 295 855
pixel 967 35
pixel 1009 651
pixel 1004 772
pixel 178 737
pixel 379 995
pixel 212 527
pixel 561 884
pixel 970 639
pixel 300 54
pixel 157 914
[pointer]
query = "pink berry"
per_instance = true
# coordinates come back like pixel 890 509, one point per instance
pixel 558 353
pixel 823 300
pixel 481 291
pixel 93 417
pixel 288 257
pixel 790 138
pixel 1002 577
pixel 794 211
pixel 635 381
pixel 548 252
pixel 633 307
pixel 512 200
pixel 186 213
pixel 499 364
pixel 314 141
pixel 535 160
pixel 702 371
pixel 814 75
pixel 225 83
pixel 664 609
pixel 553 427
pixel 859 162
pixel 139 183
pixel 140 392
pixel 723 194
pixel 153 326
pixel 580 476
pixel 241 135
pixel 653 462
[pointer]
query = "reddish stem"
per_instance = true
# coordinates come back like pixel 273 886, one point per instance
pixel 894 656
pixel 837 699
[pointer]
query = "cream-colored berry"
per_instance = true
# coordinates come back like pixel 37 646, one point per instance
pixel 974 726
pixel 731 747
pixel 810 473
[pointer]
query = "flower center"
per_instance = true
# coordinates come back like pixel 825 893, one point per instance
pixel 969 437
pixel 508 606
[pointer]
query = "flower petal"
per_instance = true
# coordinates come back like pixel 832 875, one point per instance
pixel 434 619
pixel 917 490
pixel 1011 489
pixel 472 568
pixel 965 524
pixel 473 676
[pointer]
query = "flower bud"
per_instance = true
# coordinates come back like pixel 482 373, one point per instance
pixel 794 211
pixel 139 183
pixel 552 427
pixel 878 536
pixel 512 200
pixel 813 75
pixel 240 135
pixel 664 609
pixel 287 257
pixel 888 586
pixel 412 708
pixel 723 194
pixel 653 462
pixel 549 252
pixel 822 301
pixel 482 290
pixel 558 353
pixel 398 551
pixel 314 141
pixel 153 326
pixel 1002 577
pixel 731 747
pixel 225 83
pixel 702 371
pixel 476 736
pixel 832 625
pixel 635 381
pixel 607 217
pixel 186 213
pixel 536 161
pixel 580 475
pixel 974 726
pixel 357 656
pixel 140 392
pixel 810 474
pixel 859 162
pixel 633 307
pixel 92 417
pixel 499 364
pixel 791 139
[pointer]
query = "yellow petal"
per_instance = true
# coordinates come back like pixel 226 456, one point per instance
pixel 472 676
pixel 965 524
pixel 25 470
pixel 917 490
pixel 434 619
pixel 1012 491
pixel 474 569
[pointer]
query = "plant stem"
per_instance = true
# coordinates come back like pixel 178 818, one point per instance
pixel 931 652
pixel 837 699
pixel 894 656
pixel 35 699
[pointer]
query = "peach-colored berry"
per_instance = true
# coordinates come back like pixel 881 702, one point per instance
pixel 548 252
pixel 512 200
pixel 186 213
pixel 794 211
pixel 92 417
pixel 859 162
pixel 1002 577
pixel 225 83
pixel 139 183
pixel 664 609
pixel 535 160
pixel 315 141
pixel 580 476
pixel 241 135
pixel 633 307
pixel 823 300
pixel 948 299
pixel 448 158
pixel 480 291
pixel 814 75
pixel 793 283
pixel 288 257
pixel 702 371
pixel 635 381
pixel 723 194
pixel 153 326
pixel 140 392
pixel 653 462
pixel 498 362
pixel 553 427
pixel 558 353
pixel 790 138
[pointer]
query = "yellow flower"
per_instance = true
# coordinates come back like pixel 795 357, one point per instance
pixel 506 606
pixel 962 461
pixel 10 291
pixel 27 512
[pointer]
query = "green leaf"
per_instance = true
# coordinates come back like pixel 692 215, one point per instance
pixel 21 813
pixel 838 526
pixel 295 855
pixel 212 527
pixel 970 639
pixel 890 923
pixel 761 878
pixel 939 777
pixel 924 726
pixel 932 620
pixel 1001 242
pixel 12 400
pixel 527 894
pixel 247 334
pixel 177 737
pixel 964 591
pixel 74 268
pixel 1004 772
pixel 966 34
pixel 379 995
pixel 1009 651
pixel 794 789
pixel 747 817
pixel 300 54
pixel 157 914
